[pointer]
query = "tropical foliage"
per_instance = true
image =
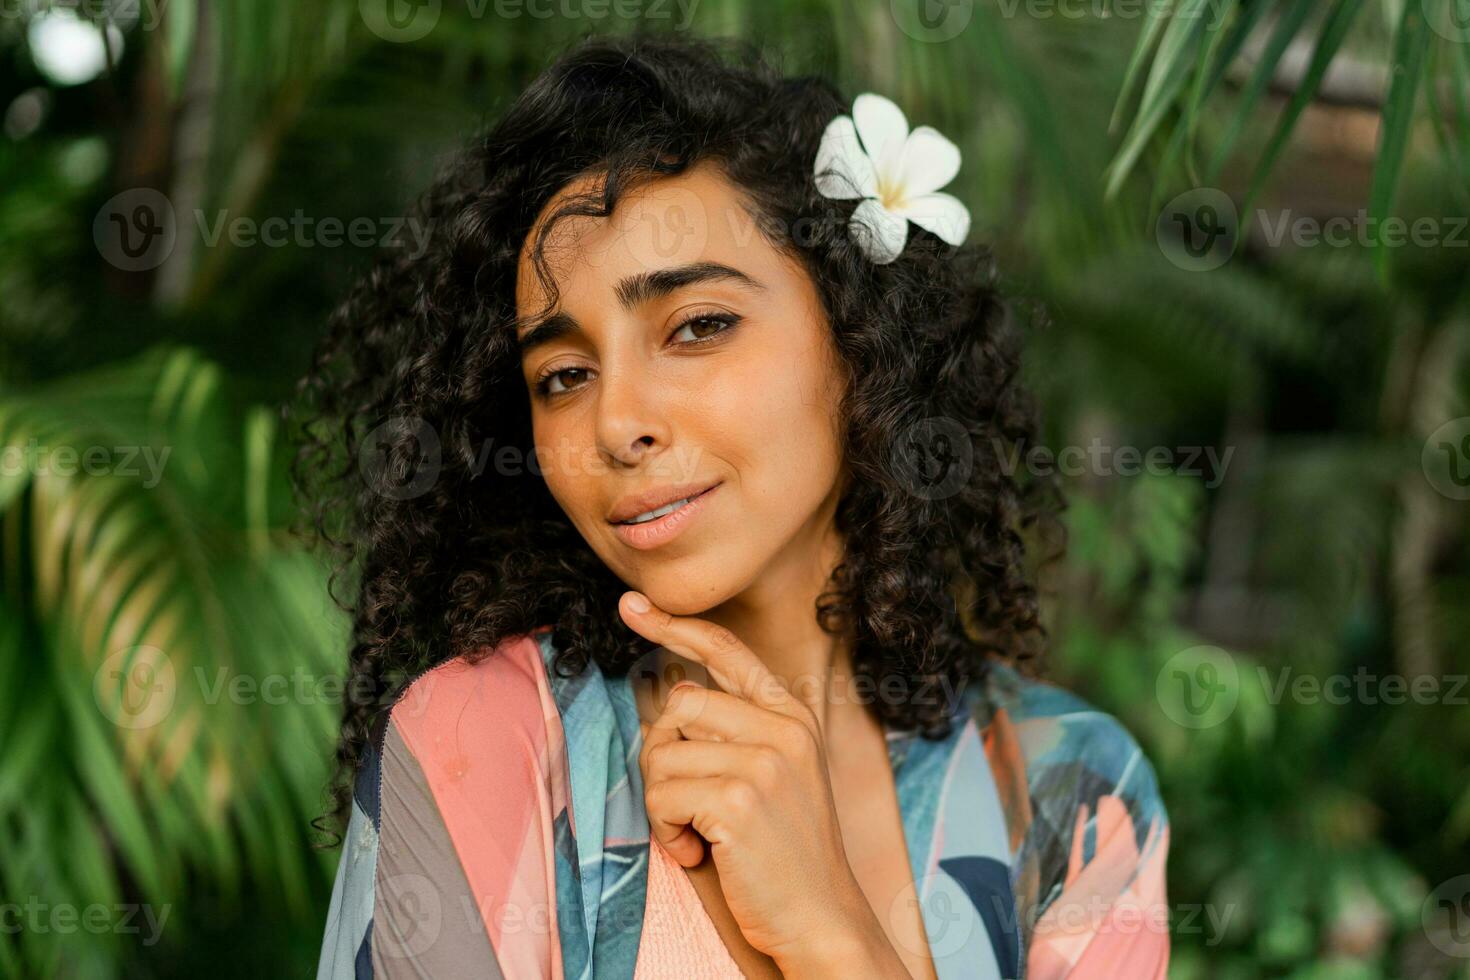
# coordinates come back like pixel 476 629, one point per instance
pixel 167 648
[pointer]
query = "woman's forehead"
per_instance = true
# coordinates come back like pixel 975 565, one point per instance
pixel 692 216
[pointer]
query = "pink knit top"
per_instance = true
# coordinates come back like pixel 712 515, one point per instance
pixel 679 940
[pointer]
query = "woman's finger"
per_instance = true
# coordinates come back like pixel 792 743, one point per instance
pixel 701 712
pixel 711 805
pixel 732 664
pixel 692 758
pixel 681 840
pixel 687 759
pixel 687 716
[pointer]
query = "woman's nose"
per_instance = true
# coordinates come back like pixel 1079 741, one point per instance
pixel 631 418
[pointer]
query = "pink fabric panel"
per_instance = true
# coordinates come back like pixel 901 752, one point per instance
pixel 488 737
pixel 679 940
pixel 1112 917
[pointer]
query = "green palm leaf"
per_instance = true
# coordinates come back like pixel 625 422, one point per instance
pixel 142 594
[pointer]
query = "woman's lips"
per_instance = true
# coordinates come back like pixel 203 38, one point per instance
pixel 662 530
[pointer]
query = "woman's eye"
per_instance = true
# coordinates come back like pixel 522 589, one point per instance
pixel 700 329
pixel 551 383
pixel 705 326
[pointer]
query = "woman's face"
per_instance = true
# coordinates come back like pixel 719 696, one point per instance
pixel 684 352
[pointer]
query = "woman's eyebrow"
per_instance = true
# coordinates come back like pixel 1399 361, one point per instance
pixel 635 290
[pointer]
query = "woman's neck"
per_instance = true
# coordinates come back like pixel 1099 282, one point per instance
pixel 776 618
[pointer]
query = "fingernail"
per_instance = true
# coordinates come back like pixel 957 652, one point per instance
pixel 638 602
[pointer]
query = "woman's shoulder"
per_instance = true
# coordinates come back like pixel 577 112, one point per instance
pixel 460 796
pixel 509 679
pixel 492 704
pixel 1087 824
pixel 1089 831
pixel 1057 739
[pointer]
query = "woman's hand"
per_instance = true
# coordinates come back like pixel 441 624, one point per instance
pixel 745 769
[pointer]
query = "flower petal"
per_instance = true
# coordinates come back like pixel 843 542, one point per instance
pixel 942 214
pixel 884 130
pixel 930 160
pixel 843 170
pixel 879 232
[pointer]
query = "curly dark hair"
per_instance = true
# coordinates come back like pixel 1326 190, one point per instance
pixel 419 375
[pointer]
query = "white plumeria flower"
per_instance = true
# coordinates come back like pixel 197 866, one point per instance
pixel 897 172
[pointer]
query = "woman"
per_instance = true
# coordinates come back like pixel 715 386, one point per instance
pixel 663 402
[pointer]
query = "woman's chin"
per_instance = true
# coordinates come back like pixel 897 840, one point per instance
pixel 683 591
pixel 679 601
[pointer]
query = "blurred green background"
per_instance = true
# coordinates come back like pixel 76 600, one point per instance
pixel 1201 196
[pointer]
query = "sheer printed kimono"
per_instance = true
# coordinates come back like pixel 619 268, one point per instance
pixel 498 830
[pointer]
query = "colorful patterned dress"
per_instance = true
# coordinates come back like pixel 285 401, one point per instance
pixel 498 830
